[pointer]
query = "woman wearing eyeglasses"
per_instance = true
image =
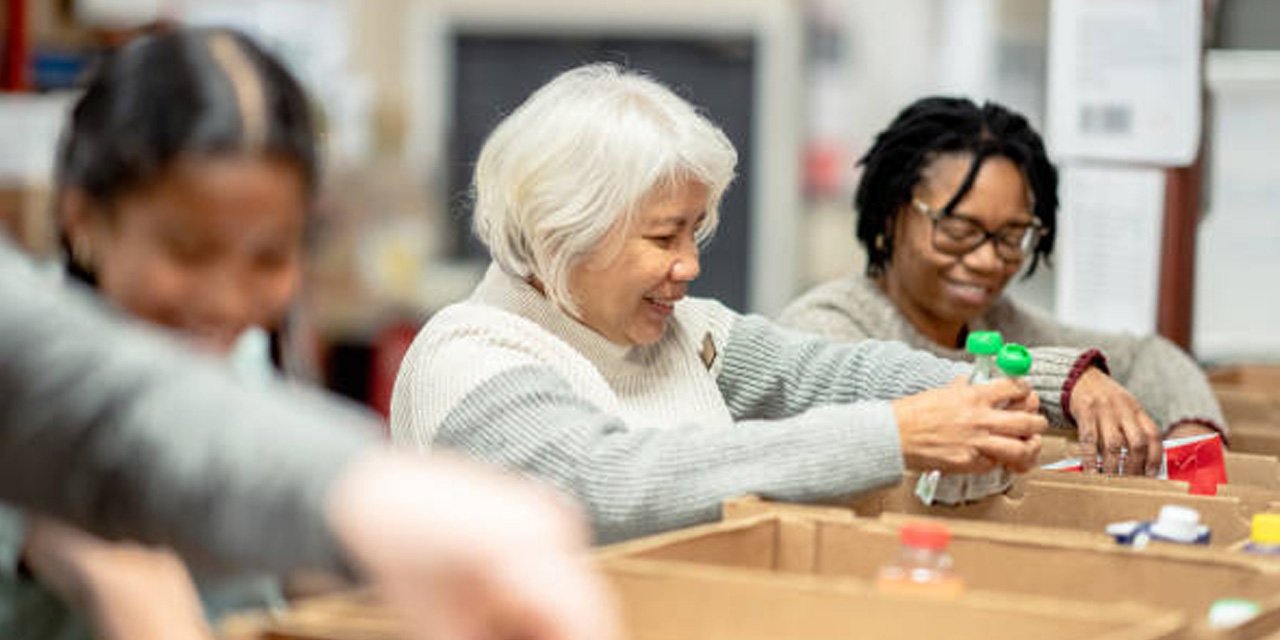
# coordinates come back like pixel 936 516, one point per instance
pixel 955 200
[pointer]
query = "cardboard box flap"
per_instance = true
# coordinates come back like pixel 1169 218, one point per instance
pixel 1005 558
pixel 1252 469
pixel 672 601
pixel 1141 483
pixel 1241 404
pixel 1067 505
pixel 750 506
pixel 1263 439
pixel 1254 376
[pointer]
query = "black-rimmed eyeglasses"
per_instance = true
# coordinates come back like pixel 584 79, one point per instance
pixel 957 234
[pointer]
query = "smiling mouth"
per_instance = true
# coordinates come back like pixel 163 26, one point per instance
pixel 665 305
pixel 970 291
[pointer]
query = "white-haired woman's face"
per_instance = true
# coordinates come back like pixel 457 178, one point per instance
pixel 627 288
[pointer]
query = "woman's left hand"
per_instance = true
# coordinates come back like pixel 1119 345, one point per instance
pixel 1114 427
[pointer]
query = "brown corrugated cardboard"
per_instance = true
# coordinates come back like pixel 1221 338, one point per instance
pixel 1243 404
pixel 1001 558
pixel 1253 376
pixel 1079 503
pixel 344 616
pixel 755 580
pixel 1071 503
pixel 700 599
pixel 780 577
pixel 1255 437
pixel 1248 393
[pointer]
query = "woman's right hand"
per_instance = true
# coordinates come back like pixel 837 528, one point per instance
pixel 964 428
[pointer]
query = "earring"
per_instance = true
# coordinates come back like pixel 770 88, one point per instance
pixel 879 242
pixel 82 254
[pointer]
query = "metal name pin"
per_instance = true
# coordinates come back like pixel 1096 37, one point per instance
pixel 708 352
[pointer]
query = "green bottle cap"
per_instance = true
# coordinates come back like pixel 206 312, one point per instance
pixel 983 343
pixel 1014 360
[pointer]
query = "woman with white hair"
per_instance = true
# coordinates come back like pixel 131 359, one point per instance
pixel 580 360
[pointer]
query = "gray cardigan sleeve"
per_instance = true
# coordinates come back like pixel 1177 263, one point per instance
pixel 771 372
pixel 829 312
pixel 126 434
pixel 639 479
pixel 1168 383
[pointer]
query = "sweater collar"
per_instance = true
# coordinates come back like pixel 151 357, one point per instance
pixel 888 322
pixel 510 293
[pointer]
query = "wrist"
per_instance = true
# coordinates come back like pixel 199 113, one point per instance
pixel 1188 427
pixel 1090 360
pixel 902 415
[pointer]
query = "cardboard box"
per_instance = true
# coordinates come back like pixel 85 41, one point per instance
pixel 1081 503
pixel 1248 405
pixel 1264 377
pixel 1009 559
pixel 753 580
pixel 778 577
pixel 346 616
pixel 1248 393
pixel 1261 442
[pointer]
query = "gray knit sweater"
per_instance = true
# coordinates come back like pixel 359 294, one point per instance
pixel 1165 380
pixel 656 437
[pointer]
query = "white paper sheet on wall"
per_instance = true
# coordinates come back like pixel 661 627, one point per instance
pixel 1237 311
pixel 1124 80
pixel 1108 246
pixel 314 38
pixel 29 128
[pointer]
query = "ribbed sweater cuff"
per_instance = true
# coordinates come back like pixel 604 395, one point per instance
pixel 1054 371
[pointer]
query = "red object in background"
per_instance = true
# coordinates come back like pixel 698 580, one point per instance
pixel 1197 461
pixel 824 167
pixel 16 47
pixel 389 348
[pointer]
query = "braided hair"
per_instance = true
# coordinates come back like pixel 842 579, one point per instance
pixel 934 126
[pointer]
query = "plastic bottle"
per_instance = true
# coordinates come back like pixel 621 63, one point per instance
pixel 1012 361
pixel 992 359
pixel 984 346
pixel 1264 534
pixel 923 565
pixel 1175 523
pixel 954 489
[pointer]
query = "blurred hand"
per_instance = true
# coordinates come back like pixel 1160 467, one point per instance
pixel 461 552
pixel 1113 427
pixel 964 428
pixel 128 591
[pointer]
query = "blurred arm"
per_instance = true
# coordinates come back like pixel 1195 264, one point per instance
pixel 125 434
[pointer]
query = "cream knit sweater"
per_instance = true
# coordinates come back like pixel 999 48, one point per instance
pixel 654 437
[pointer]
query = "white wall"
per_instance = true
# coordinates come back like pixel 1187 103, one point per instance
pixel 1237 308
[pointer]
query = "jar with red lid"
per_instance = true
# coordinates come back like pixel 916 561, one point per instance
pixel 923 565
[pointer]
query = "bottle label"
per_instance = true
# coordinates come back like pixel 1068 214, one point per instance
pixel 927 486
